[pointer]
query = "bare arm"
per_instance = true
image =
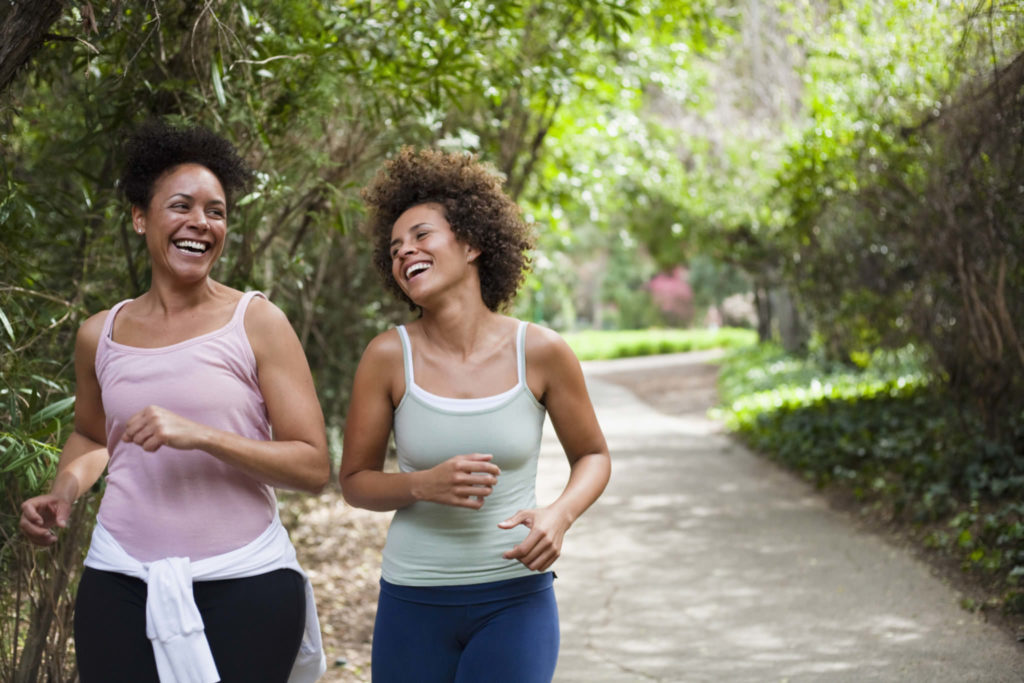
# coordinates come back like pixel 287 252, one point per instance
pixel 296 458
pixel 462 481
pixel 554 367
pixel 572 416
pixel 84 456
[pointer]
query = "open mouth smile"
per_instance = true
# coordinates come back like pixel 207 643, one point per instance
pixel 191 246
pixel 415 269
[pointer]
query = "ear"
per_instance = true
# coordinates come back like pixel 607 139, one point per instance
pixel 138 220
pixel 472 254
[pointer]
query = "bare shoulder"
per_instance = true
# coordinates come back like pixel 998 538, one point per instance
pixel 271 336
pixel 90 330
pixel 87 342
pixel 385 349
pixel 551 366
pixel 547 347
pixel 263 316
pixel 381 370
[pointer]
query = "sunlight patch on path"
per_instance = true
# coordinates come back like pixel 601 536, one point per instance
pixel 703 562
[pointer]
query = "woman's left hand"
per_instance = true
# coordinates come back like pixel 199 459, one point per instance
pixel 153 427
pixel 543 545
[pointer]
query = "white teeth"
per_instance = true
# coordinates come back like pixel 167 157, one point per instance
pixel 415 268
pixel 191 245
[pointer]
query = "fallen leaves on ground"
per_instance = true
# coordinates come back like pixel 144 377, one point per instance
pixel 339 547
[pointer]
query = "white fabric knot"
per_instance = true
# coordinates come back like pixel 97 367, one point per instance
pixel 173 623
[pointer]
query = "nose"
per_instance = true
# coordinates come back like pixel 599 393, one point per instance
pixel 200 220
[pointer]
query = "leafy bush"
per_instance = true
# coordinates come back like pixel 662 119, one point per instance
pixel 888 434
pixel 903 220
pixel 600 344
pixel 36 603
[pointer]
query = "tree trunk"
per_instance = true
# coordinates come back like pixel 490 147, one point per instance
pixel 763 305
pixel 791 328
pixel 21 33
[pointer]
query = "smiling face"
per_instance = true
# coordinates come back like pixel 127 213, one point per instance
pixel 185 223
pixel 426 257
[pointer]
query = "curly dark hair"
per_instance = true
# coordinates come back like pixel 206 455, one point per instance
pixel 480 213
pixel 156 147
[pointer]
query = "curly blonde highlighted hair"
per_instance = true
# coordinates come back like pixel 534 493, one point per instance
pixel 480 213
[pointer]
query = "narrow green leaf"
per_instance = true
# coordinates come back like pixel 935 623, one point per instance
pixel 46 381
pixel 218 87
pixel 18 463
pixel 53 409
pixel 6 324
pixel 249 198
pixel 12 410
pixel 11 452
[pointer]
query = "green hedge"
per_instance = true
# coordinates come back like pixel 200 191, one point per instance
pixel 607 344
pixel 889 435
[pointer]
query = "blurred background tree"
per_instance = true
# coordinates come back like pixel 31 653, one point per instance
pixel 843 176
pixel 316 95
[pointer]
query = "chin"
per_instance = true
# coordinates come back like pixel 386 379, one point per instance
pixel 191 276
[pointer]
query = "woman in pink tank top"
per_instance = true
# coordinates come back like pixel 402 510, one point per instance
pixel 177 393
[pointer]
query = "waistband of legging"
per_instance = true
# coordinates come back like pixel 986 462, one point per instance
pixel 470 594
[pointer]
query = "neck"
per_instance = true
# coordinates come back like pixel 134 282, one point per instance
pixel 170 298
pixel 459 329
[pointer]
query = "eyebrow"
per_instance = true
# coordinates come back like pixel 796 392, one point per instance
pixel 411 228
pixel 191 198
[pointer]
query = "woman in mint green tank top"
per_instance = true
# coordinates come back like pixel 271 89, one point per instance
pixel 466 576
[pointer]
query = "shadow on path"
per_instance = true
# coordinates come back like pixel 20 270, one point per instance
pixel 702 562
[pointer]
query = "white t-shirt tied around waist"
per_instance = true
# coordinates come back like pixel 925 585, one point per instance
pixel 173 623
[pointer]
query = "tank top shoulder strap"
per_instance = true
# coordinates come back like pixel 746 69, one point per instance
pixel 236 329
pixel 108 324
pixel 403 334
pixel 243 304
pixel 521 351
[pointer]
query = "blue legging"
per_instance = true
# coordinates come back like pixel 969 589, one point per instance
pixel 505 631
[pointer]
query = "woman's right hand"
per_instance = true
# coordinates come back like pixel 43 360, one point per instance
pixel 40 515
pixel 462 481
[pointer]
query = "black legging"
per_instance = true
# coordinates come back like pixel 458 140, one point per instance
pixel 254 626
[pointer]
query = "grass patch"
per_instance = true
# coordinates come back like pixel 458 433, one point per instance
pixel 608 344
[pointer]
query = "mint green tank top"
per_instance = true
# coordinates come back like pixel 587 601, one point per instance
pixel 430 544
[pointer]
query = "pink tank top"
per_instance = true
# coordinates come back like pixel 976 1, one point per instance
pixel 174 503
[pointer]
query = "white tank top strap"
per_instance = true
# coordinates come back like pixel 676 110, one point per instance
pixel 406 356
pixel 464 404
pixel 521 351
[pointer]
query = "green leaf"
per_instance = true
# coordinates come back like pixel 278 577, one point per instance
pixel 13 414
pixel 216 66
pixel 18 462
pixel 6 324
pixel 53 410
pixel 249 198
